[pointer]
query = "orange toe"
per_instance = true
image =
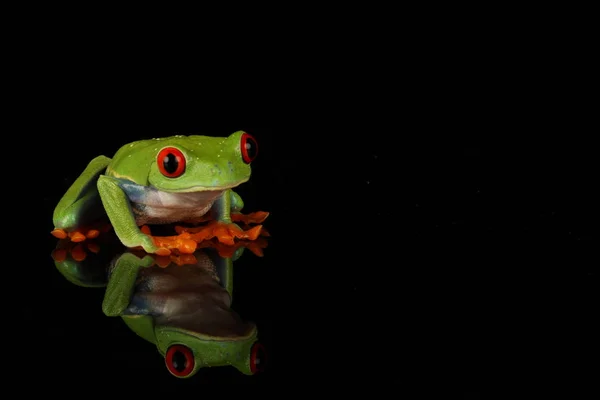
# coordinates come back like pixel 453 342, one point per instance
pixel 92 234
pixel 253 233
pixel 59 255
pixel 59 233
pixel 223 235
pixel 235 230
pixel 93 247
pixel 255 249
pixel 77 236
pixel 78 253
pixel 187 246
pixel 163 252
pixel 257 217
pixel 163 261
pixel 226 251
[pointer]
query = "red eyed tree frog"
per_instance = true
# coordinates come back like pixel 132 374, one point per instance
pixel 160 181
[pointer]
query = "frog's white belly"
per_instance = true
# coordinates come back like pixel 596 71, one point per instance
pixel 158 207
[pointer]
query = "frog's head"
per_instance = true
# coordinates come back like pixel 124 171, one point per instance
pixel 185 352
pixel 202 163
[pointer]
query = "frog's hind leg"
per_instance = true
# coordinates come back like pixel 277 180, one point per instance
pixel 80 205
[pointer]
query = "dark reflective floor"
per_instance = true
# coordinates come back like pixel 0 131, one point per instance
pixel 460 269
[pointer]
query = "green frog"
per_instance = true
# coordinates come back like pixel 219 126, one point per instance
pixel 160 181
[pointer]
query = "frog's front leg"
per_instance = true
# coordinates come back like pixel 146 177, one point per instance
pixel 223 228
pixel 119 211
pixel 222 207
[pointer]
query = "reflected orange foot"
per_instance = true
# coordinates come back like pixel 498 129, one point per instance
pixel 77 251
pixel 226 251
pixel 183 259
pixel 257 217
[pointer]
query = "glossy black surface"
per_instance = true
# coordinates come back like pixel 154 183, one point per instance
pixel 420 265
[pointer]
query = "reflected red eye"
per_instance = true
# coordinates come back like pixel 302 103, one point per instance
pixel 171 162
pixel 249 148
pixel 258 358
pixel 179 360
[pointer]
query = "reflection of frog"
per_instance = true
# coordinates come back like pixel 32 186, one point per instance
pixel 183 308
pixel 159 181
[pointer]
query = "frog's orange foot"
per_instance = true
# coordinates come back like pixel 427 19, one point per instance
pixel 183 243
pixel 257 217
pixel 81 234
pixel 225 233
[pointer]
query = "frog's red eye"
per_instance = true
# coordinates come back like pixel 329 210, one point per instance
pixel 180 360
pixel 258 358
pixel 171 162
pixel 249 148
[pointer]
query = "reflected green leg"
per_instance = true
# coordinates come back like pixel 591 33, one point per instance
pixel 122 282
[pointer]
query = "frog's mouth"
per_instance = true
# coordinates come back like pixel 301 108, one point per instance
pixel 195 188
pixel 197 197
pixel 199 188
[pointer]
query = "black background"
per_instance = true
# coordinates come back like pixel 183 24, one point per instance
pixel 395 258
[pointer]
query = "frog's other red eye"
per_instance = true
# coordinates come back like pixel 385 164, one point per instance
pixel 171 162
pixel 258 358
pixel 249 148
pixel 180 360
